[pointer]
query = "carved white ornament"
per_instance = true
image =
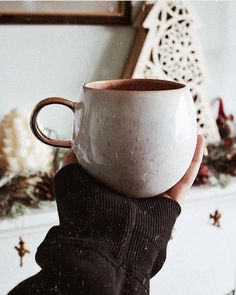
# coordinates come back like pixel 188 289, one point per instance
pixel 172 51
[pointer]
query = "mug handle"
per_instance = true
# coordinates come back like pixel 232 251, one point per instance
pixel 34 124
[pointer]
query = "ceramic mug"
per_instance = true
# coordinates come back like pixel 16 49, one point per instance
pixel 137 136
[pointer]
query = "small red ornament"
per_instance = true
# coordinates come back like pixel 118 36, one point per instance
pixel 228 142
pixel 203 176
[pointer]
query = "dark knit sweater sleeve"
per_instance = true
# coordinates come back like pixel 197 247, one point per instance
pixel 105 244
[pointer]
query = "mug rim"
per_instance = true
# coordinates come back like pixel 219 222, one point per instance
pixel 121 85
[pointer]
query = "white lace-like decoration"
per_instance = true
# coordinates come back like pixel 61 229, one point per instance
pixel 172 51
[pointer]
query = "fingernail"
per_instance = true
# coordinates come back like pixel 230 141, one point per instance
pixel 205 152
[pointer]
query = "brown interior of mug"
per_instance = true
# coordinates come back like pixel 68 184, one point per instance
pixel 135 85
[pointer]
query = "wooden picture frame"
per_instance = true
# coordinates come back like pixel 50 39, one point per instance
pixel 65 12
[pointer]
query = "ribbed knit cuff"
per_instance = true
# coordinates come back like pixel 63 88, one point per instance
pixel 133 233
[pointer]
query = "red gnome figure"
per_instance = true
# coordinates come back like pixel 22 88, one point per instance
pixel 225 124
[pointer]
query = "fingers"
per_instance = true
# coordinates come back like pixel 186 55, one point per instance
pixel 178 191
pixel 70 158
pixel 193 169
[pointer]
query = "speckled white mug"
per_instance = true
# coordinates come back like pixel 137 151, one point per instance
pixel 137 136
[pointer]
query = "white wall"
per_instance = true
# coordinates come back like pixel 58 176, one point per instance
pixel 42 61
pixel 218 36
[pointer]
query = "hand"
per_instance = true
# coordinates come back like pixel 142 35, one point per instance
pixel 181 188
pixel 70 158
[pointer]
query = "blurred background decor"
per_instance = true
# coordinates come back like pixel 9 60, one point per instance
pixel 219 165
pixel 27 166
pixel 19 150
